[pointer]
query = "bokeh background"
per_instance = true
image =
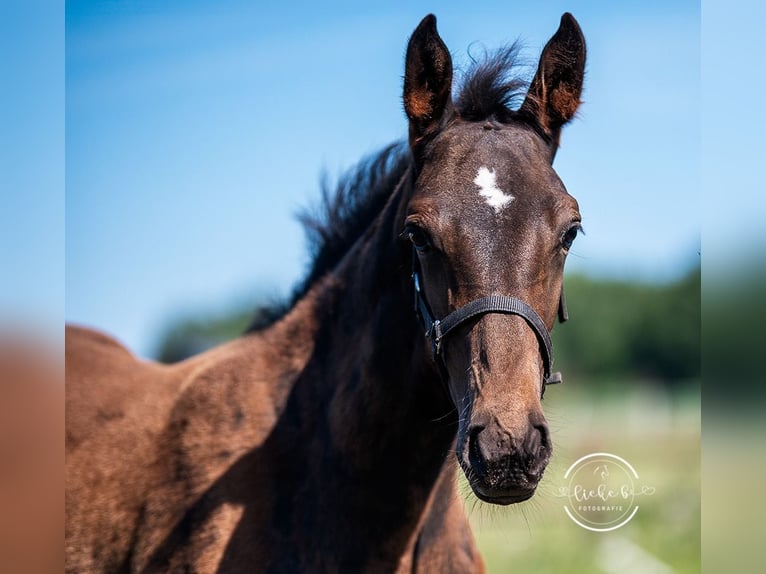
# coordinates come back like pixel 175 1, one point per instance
pixel 196 130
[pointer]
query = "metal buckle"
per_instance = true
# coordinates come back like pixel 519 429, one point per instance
pixel 436 336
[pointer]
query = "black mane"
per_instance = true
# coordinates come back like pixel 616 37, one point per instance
pixel 490 90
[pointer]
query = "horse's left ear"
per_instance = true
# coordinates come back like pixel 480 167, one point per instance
pixel 427 81
pixel 554 94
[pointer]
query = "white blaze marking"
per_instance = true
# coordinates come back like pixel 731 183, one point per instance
pixel 494 196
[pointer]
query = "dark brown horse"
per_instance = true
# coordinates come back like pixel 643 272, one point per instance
pixel 325 440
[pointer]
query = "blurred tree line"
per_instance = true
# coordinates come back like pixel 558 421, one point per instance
pixel 617 330
pixel 734 309
pixel 625 329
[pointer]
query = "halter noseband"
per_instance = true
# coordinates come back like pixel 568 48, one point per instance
pixel 438 329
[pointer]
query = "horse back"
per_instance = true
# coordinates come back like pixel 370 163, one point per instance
pixel 105 386
pixel 149 444
pixel 116 406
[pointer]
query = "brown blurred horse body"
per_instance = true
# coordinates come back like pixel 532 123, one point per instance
pixel 323 442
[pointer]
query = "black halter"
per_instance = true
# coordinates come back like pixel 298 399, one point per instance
pixel 438 329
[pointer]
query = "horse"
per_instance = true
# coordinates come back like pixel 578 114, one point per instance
pixel 325 439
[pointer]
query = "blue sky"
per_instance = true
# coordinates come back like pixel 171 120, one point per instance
pixel 31 163
pixel 196 130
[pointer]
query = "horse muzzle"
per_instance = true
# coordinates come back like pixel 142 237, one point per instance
pixel 501 468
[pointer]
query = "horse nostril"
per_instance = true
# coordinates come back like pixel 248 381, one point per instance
pixel 539 449
pixel 475 455
pixel 545 438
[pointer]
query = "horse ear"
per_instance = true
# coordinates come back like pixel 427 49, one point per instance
pixel 554 94
pixel 427 80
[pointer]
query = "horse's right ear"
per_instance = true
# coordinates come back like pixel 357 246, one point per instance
pixel 427 81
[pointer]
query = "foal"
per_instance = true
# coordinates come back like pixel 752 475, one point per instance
pixel 326 440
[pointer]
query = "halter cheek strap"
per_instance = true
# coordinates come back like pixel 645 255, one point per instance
pixel 438 329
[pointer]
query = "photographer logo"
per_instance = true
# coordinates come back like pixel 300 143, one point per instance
pixel 602 492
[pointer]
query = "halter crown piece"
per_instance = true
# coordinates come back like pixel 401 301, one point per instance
pixel 437 329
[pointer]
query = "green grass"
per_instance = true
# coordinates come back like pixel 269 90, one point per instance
pixel 659 435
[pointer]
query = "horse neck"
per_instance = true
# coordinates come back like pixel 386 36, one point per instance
pixel 361 444
pixel 384 402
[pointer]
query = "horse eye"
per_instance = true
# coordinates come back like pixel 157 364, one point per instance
pixel 418 238
pixel 570 236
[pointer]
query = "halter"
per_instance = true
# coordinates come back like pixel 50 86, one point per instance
pixel 438 329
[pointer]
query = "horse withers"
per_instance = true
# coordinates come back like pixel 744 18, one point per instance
pixel 324 439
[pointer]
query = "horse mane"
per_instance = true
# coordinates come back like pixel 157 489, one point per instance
pixel 491 89
pixel 340 218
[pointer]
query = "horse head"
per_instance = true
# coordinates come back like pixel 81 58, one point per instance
pixel 488 217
